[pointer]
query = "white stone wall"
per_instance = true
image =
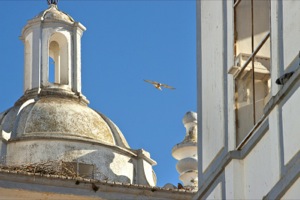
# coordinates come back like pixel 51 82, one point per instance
pixel 290 125
pixel 109 164
pixel 291 31
pixel 261 168
pixel 212 80
pixel 234 180
pixel 293 192
pixel 267 165
pixel 216 193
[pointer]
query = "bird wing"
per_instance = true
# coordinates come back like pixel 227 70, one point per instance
pixel 167 86
pixel 152 82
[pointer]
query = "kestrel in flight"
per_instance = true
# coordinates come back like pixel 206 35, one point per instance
pixel 158 85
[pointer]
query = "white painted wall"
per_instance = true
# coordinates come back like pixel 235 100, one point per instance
pixel 216 193
pixel 293 192
pixel 234 180
pixel 291 31
pixel 262 166
pixel 212 80
pixel 109 163
pixel 291 125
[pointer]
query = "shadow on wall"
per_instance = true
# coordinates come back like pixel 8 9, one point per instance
pixel 100 165
pixel 53 157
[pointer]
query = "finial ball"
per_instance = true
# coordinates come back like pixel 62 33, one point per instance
pixel 189 117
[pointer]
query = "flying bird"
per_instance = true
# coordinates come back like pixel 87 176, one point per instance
pixel 158 85
pixel 284 78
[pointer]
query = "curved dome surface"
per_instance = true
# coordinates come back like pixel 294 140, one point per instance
pixel 60 117
pixel 53 13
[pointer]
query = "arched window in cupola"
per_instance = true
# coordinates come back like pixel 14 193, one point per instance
pixel 58 59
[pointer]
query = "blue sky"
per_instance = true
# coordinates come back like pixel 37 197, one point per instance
pixel 125 43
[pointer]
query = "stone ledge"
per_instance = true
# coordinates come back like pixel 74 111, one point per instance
pixel 53 90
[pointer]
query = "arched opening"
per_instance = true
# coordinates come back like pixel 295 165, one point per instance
pixel 59 53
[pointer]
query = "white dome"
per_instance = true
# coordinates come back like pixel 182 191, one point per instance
pixel 52 13
pixel 52 115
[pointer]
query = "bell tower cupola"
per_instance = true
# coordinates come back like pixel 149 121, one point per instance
pixel 52 125
pixel 52 42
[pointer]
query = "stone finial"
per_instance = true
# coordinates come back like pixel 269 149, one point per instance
pixel 190 123
pixel 186 153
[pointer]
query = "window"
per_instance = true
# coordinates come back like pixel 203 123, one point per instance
pixel 59 53
pixel 252 63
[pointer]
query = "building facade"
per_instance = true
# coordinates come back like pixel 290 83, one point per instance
pixel 248 99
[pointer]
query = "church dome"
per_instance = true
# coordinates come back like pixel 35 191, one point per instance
pixel 54 114
pixel 52 122
pixel 52 13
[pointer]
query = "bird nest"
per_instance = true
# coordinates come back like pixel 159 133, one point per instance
pixel 60 168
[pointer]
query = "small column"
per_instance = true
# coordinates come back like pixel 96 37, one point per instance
pixel 186 153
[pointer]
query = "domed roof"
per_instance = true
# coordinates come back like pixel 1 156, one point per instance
pixel 52 13
pixel 60 117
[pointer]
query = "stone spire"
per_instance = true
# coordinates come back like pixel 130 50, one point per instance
pixel 186 153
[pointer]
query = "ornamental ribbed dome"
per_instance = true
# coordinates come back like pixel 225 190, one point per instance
pixel 52 13
pixel 53 114
pixel 52 122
